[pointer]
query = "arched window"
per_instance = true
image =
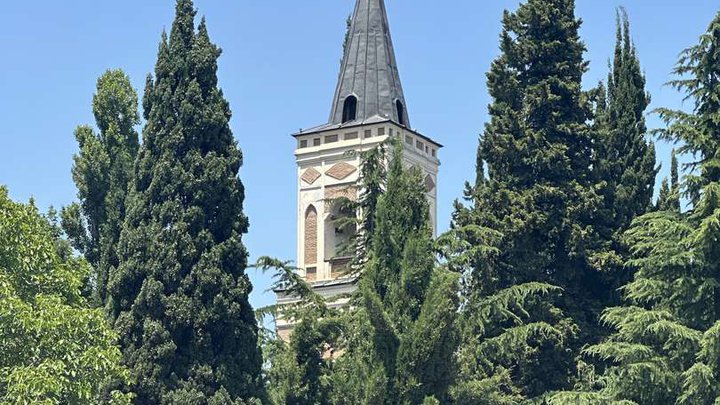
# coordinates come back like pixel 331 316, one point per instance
pixel 400 112
pixel 340 228
pixel 311 235
pixel 350 109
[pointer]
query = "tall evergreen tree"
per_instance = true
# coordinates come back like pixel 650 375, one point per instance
pixel 397 336
pixel 669 197
pixel 514 338
pixel 403 336
pixel 101 172
pixel 624 158
pixel 675 182
pixel 535 194
pixel 180 296
pixel 537 148
pixel 664 202
pixel 665 348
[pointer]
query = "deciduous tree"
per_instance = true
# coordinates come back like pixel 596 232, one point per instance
pixel 55 348
pixel 101 172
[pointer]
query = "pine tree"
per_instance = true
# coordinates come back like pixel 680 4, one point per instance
pixel 101 172
pixel 180 296
pixel 525 241
pixel 665 345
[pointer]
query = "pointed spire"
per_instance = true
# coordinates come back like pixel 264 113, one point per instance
pixel 369 71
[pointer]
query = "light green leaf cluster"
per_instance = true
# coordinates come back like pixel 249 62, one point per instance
pixel 55 349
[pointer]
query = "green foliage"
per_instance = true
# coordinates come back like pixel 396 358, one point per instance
pixel 394 341
pixel 410 303
pixel 624 159
pixel 539 192
pixel 101 172
pixel 297 370
pixel 373 177
pixel 55 349
pixel 525 244
pixel 664 349
pixel 669 198
pixel 179 298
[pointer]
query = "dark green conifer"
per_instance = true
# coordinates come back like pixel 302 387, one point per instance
pixel 625 159
pixel 665 346
pixel 535 190
pixel 675 182
pixel 669 197
pixel 664 202
pixel 180 296
pixel 411 304
pixel 537 149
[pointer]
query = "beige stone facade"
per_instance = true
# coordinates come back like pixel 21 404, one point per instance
pixel 329 169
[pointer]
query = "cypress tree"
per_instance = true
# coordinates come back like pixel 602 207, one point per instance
pixel 624 160
pixel 402 337
pixel 394 341
pixel 410 303
pixel 101 172
pixel 664 201
pixel 665 346
pixel 180 296
pixel 675 182
pixel 669 197
pixel 527 236
pixel 514 339
pixel 537 149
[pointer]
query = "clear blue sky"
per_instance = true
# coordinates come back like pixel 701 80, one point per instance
pixel 278 71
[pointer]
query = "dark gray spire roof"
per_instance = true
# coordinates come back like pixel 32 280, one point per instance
pixel 369 71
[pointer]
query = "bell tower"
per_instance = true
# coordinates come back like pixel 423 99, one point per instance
pixel 368 108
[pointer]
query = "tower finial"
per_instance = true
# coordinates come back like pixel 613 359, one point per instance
pixel 369 83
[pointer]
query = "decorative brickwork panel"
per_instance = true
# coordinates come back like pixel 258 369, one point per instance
pixel 311 175
pixel 334 192
pixel 429 183
pixel 341 171
pixel 311 236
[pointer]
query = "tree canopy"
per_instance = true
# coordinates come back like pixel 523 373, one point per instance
pixel 179 298
pixel 55 348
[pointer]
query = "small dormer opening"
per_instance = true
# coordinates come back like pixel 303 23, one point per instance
pixel 400 112
pixel 350 109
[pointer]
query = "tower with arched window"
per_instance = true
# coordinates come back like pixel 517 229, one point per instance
pixel 369 107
